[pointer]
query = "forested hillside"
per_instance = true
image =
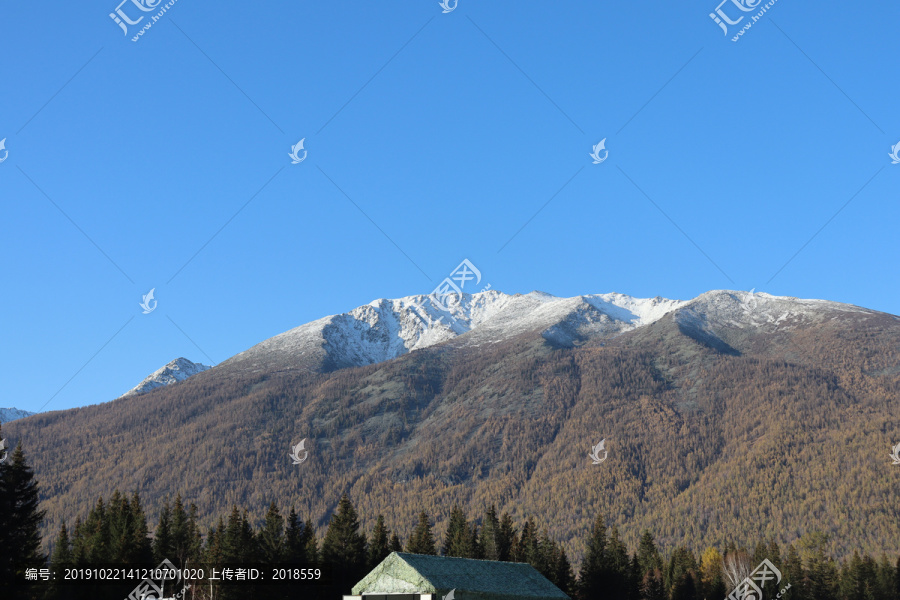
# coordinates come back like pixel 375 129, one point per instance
pixel 716 434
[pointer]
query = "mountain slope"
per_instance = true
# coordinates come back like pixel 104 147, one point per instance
pixel 386 329
pixel 172 372
pixel 726 417
pixel 10 414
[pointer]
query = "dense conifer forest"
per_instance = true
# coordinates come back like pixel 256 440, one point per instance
pixel 115 532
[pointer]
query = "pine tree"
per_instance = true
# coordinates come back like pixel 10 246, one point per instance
pixel 794 574
pixel 653 586
pixel 163 544
pixel 379 545
pixel 271 537
pixel 506 538
pixel 344 547
pixel 422 540
pixel 885 584
pixel 564 574
pixel 647 554
pixel 20 519
pixel 294 541
pixel 489 540
pixel 141 549
pixel 396 545
pixel 311 544
pixel 457 540
pixel 681 575
pixel 526 550
pixel 593 579
pixel 62 549
pixel 96 531
pixel 619 565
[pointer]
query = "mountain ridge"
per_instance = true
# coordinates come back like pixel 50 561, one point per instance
pixel 730 411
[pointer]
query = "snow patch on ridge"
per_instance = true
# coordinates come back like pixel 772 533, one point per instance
pixel 173 372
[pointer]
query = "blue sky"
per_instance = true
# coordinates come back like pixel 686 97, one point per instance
pixel 431 138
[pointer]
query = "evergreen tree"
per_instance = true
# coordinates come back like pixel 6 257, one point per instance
pixel 379 545
pixel 619 565
pixel 295 540
pixel 681 574
pixel 526 549
pixel 62 549
pixel 794 574
pixel 593 579
pixel 489 540
pixel 457 540
pixel 141 548
pixel 311 544
pixel 20 519
pixel 647 555
pixel 653 586
pixel 422 541
pixel 822 572
pixel 564 575
pixel 344 547
pixel 886 578
pixel 396 546
pixel 97 535
pixel 163 544
pixel 506 538
pixel 271 537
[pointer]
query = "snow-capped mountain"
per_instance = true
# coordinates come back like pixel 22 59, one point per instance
pixel 175 371
pixel 385 329
pixel 11 414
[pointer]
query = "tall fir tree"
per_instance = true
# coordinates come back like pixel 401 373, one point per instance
pixel 489 538
pixel 396 544
pixel 344 547
pixel 593 578
pixel 647 554
pixel 271 537
pixel 457 540
pixel 379 544
pixel 20 520
pixel 507 538
pixel 422 540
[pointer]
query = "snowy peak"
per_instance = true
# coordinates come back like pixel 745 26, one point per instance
pixel 758 310
pixel 385 329
pixel 11 414
pixel 175 371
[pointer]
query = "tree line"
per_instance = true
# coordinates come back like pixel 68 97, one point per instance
pixel 116 532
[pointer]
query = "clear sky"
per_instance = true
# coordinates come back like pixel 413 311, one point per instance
pixel 431 137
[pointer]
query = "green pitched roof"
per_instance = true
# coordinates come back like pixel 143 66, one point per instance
pixel 472 579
